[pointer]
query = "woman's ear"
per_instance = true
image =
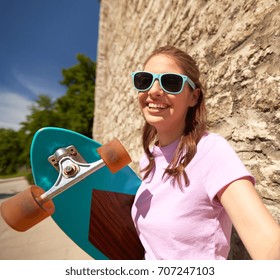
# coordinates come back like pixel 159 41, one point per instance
pixel 195 96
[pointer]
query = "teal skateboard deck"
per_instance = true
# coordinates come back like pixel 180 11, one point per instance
pixel 95 211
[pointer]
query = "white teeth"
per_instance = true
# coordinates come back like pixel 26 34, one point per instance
pixel 157 106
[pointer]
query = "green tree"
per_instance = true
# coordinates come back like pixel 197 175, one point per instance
pixel 10 150
pixel 42 114
pixel 76 107
pixel 74 111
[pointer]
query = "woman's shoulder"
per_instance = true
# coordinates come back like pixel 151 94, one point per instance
pixel 213 145
pixel 210 140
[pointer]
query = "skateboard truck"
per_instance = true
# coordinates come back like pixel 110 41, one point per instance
pixel 26 209
pixel 72 169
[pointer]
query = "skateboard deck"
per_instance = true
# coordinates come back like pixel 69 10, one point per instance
pixel 94 212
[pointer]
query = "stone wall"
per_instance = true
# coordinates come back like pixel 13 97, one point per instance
pixel 237 46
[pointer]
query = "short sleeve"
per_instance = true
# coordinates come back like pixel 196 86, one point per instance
pixel 222 166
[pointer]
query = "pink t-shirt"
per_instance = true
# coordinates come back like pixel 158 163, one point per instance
pixel 191 224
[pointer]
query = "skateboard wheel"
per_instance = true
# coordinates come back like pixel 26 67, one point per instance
pixel 114 155
pixel 23 210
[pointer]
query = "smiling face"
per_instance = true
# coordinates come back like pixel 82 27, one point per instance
pixel 166 112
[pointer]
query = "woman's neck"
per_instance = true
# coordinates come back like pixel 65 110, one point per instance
pixel 168 137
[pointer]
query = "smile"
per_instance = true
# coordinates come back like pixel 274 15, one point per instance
pixel 158 106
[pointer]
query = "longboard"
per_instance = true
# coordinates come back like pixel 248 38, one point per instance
pixel 95 211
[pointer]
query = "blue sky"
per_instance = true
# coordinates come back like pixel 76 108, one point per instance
pixel 38 38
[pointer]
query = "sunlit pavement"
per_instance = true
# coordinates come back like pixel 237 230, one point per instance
pixel 45 241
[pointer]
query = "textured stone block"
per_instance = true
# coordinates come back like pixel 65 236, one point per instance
pixel 237 47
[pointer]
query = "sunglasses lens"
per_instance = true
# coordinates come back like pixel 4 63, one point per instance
pixel 172 82
pixel 142 80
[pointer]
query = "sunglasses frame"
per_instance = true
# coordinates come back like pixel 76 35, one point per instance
pixel 185 78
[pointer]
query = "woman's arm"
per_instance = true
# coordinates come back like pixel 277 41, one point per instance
pixel 259 232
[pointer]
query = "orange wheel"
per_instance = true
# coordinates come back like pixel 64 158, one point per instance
pixel 114 155
pixel 23 210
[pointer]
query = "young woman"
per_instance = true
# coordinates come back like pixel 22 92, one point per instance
pixel 194 185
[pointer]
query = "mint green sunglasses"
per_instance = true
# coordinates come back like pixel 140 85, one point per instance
pixel 172 83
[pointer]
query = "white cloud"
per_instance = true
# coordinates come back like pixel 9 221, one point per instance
pixel 13 110
pixel 39 85
pixel 14 106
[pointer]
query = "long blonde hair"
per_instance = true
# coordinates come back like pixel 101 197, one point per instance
pixel 195 122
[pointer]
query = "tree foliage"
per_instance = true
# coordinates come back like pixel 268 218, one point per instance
pixel 42 114
pixel 10 150
pixel 76 107
pixel 74 110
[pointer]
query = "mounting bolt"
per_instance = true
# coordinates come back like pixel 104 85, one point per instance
pixel 70 170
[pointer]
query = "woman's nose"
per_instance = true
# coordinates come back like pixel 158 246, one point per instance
pixel 155 89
